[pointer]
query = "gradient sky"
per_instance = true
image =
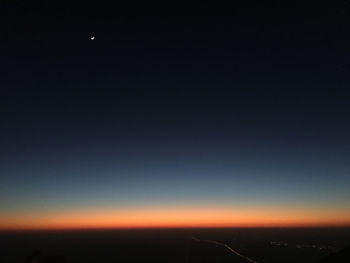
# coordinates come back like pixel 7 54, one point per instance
pixel 174 121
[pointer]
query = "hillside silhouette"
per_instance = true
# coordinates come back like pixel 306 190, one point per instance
pixel 177 245
pixel 198 252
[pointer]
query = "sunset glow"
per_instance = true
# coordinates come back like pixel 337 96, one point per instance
pixel 188 217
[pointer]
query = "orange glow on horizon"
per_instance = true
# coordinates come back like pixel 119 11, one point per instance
pixel 174 218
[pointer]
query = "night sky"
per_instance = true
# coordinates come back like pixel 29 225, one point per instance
pixel 202 120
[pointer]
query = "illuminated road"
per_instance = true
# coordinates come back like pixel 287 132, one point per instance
pixel 226 246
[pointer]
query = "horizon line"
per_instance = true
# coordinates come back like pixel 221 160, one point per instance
pixel 174 228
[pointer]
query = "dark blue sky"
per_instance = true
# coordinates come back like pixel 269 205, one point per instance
pixel 250 109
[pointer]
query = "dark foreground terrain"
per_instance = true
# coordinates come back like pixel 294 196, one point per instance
pixel 177 245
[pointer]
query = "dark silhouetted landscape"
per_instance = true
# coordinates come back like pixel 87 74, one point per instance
pixel 176 245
